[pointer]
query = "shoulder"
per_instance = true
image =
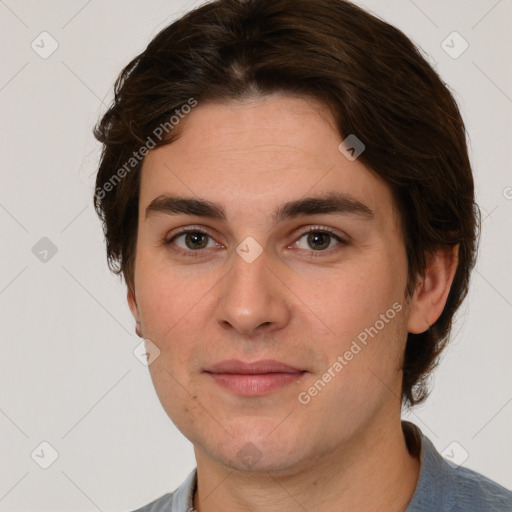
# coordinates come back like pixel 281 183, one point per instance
pixel 162 504
pixel 477 492
pixel 181 500
pixel 445 487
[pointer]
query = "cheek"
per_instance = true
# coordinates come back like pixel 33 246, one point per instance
pixel 180 397
pixel 363 372
pixel 168 296
pixel 363 307
pixel 349 299
pixel 170 307
pixel 170 315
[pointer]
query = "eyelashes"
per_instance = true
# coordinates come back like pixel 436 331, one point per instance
pixel 319 236
pixel 194 241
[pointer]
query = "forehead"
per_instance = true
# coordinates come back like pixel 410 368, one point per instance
pixel 257 154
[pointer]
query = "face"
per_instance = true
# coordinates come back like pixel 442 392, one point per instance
pixel 270 273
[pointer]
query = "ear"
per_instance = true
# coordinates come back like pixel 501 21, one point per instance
pixel 132 303
pixel 432 290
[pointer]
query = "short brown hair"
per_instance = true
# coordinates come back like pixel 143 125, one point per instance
pixel 373 79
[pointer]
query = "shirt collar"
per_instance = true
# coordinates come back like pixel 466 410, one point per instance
pixel 436 485
pixel 183 497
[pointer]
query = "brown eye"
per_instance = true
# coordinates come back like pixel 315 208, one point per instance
pixel 318 240
pixel 196 240
pixel 192 241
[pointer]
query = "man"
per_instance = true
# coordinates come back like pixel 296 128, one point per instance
pixel 286 189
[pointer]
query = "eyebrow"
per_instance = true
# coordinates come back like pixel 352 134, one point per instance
pixel 332 203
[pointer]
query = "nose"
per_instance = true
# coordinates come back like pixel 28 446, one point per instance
pixel 253 299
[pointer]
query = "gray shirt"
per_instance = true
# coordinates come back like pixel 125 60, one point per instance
pixel 441 487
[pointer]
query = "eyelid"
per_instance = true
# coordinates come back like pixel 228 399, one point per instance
pixel 168 240
pixel 342 239
pixel 188 229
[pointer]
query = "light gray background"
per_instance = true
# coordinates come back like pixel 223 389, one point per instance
pixel 68 374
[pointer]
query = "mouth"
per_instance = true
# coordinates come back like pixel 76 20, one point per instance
pixel 254 379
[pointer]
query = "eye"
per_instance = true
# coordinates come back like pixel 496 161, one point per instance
pixel 318 240
pixel 192 240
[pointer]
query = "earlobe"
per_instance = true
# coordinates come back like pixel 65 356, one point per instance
pixel 132 304
pixel 432 290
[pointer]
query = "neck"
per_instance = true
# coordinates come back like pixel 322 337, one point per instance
pixel 374 471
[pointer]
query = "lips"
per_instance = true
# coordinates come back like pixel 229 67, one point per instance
pixel 255 368
pixel 254 379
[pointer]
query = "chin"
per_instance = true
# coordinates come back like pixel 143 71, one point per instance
pixel 251 459
pixel 254 451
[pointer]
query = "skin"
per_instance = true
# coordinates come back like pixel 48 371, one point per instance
pixel 295 303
